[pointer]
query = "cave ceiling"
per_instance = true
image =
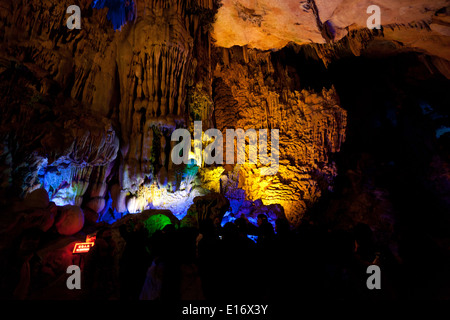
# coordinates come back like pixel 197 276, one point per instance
pixel 420 26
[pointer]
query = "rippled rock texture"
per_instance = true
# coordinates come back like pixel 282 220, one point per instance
pixel 251 92
pixel 88 113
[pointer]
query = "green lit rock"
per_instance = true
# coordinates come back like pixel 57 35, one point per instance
pixel 153 220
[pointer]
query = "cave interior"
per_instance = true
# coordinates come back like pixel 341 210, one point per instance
pixel 88 116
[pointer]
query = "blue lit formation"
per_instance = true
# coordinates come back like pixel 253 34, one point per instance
pixel 119 11
pixel 441 131
pixel 57 181
pixel 434 115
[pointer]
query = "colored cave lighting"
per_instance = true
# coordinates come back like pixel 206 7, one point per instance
pixel 153 197
pixel 177 202
pixel 441 131
pixel 119 11
pixel 156 222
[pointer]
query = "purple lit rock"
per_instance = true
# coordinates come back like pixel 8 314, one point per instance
pixel 251 210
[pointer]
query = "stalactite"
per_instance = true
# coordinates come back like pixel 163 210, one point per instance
pixel 148 65
pixel 160 70
pixel 162 152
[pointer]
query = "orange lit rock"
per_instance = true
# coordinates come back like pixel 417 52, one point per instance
pixel 312 127
pixel 70 220
pixel 268 24
pixel 332 27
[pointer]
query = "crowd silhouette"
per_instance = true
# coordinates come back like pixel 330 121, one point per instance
pixel 220 263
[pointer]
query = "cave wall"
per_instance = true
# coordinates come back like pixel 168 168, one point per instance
pixel 88 114
pixel 92 110
pixel 257 89
pixel 158 73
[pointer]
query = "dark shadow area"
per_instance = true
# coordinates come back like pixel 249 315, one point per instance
pixel 393 166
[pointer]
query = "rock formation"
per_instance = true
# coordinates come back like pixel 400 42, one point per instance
pixel 87 116
pixel 88 113
pixel 266 25
pixel 113 97
pixel 312 127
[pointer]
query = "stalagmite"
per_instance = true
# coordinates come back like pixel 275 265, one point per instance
pixel 147 143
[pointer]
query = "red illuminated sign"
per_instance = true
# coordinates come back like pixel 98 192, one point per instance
pixel 82 247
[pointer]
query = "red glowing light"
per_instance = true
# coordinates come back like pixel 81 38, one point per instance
pixel 91 238
pixel 82 247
